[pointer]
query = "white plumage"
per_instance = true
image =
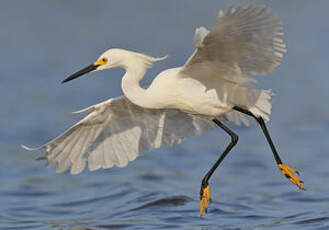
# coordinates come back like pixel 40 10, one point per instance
pixel 116 132
pixel 180 102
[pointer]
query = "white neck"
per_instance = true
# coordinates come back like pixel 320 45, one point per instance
pixel 133 91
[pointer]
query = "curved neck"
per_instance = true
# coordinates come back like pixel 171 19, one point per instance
pixel 133 91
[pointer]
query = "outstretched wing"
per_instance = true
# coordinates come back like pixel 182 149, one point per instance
pixel 243 42
pixel 116 132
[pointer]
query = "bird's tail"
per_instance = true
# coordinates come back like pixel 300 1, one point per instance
pixel 257 101
pixel 263 106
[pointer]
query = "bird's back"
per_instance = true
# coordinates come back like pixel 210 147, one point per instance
pixel 206 95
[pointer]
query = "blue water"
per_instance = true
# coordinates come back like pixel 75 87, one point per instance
pixel 42 42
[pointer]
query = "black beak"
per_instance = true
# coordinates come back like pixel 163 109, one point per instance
pixel 81 72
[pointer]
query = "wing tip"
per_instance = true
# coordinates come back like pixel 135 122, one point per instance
pixel 200 33
pixel 220 13
pixel 161 58
pixel 88 109
pixel 31 149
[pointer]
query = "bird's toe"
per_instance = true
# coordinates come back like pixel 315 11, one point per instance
pixel 204 198
pixel 289 173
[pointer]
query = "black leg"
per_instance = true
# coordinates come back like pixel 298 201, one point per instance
pixel 288 172
pixel 234 140
pixel 204 191
pixel 265 131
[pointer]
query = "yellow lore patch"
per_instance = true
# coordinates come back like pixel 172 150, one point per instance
pixel 101 61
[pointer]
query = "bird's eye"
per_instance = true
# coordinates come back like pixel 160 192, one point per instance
pixel 104 60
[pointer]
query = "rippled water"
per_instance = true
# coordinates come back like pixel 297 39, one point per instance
pixel 161 191
pixel 43 42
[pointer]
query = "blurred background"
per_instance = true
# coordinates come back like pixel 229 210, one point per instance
pixel 42 42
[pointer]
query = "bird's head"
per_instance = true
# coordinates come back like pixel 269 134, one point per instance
pixel 114 58
pixel 111 58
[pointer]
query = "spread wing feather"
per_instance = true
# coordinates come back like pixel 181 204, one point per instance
pixel 116 132
pixel 243 42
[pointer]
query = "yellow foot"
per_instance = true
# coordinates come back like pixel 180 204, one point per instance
pixel 205 197
pixel 289 173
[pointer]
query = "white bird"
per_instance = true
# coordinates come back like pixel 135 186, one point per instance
pixel 214 86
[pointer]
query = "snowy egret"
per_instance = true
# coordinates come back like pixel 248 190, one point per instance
pixel 214 86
